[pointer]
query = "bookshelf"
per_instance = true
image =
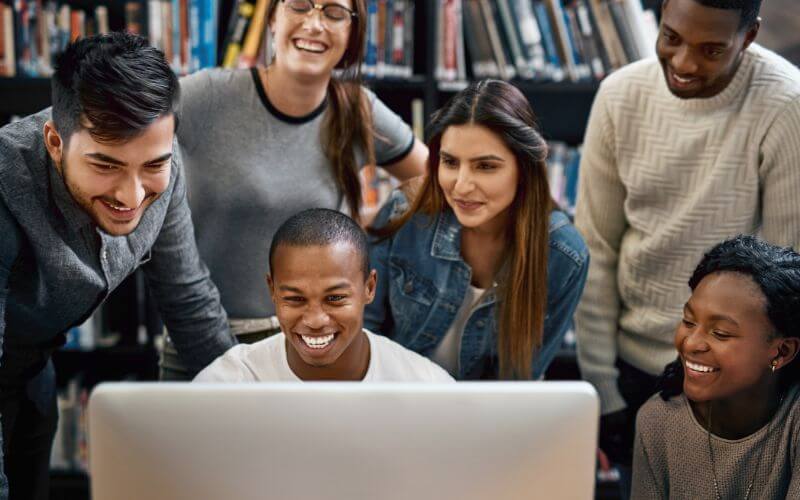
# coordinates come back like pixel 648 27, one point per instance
pixel 562 109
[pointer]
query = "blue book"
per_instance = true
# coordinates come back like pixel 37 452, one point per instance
pixel 571 171
pixel 176 37
pixel 371 56
pixel 208 33
pixel 551 51
pixel 195 40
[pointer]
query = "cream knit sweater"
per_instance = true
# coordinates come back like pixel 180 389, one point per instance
pixel 662 180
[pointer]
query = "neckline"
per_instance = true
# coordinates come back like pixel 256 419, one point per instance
pixel 788 401
pixel 280 115
pixel 370 367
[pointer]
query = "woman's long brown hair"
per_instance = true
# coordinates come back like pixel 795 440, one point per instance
pixel 347 123
pixel 522 292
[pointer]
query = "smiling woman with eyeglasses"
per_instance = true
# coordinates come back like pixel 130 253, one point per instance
pixel 261 145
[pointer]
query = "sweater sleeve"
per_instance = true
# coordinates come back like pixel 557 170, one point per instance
pixel 600 218
pixel 780 178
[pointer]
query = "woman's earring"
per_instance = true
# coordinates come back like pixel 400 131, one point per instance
pixel 774 365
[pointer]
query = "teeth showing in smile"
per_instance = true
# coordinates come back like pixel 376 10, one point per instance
pixel 309 45
pixel 115 207
pixel 700 368
pixel 682 80
pixel 317 342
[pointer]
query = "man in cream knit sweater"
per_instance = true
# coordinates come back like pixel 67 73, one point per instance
pixel 681 152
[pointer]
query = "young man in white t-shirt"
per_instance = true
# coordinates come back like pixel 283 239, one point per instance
pixel 320 282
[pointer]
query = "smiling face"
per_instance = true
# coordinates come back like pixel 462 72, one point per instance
pixel 319 294
pixel 700 47
pixel 115 183
pixel 725 339
pixel 478 175
pixel 308 45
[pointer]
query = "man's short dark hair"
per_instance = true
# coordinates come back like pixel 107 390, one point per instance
pixel 115 85
pixel 748 9
pixel 321 227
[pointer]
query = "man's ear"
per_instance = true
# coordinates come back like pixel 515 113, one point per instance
pixel 752 33
pixel 271 285
pixel 53 143
pixel 371 285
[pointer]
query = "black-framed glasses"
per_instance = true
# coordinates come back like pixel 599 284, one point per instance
pixel 334 15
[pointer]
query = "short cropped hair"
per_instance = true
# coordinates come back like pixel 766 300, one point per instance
pixel 776 272
pixel 321 227
pixel 748 9
pixel 114 85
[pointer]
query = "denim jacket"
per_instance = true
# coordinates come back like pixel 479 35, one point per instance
pixel 57 267
pixel 422 281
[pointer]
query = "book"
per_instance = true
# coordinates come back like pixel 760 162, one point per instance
pixel 608 33
pixel 175 61
pixel 480 51
pixel 562 38
pixel 240 20
pixel 208 33
pixel 512 26
pixel 500 52
pixel 530 35
pixel 154 31
pixel 255 33
pixel 7 59
pixel 554 68
pixel 133 17
pixel 623 28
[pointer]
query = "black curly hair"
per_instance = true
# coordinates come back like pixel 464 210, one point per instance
pixel 776 271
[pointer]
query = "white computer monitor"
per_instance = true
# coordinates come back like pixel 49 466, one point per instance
pixel 343 441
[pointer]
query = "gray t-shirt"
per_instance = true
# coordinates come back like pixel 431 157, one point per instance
pixel 671 455
pixel 249 167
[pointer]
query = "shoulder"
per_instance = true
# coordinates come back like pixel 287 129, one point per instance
pixel 241 363
pixel 566 240
pixel 636 77
pixel 658 417
pixel 396 205
pixel 403 365
pixel 774 79
pixel 23 159
pixel 214 78
pixel 206 88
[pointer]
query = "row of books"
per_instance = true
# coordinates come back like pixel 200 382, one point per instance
pixel 389 50
pixel 186 30
pixel 562 174
pixel 33 32
pixel 545 40
pixel 390 39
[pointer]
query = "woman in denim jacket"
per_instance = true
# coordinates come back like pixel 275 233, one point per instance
pixel 479 270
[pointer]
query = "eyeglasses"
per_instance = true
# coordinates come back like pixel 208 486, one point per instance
pixel 334 16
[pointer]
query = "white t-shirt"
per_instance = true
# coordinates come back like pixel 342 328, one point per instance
pixel 448 351
pixel 266 361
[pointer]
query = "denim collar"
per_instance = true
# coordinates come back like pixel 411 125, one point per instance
pixel 75 217
pixel 447 237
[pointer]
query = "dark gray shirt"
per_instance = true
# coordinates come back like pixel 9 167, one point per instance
pixel 672 459
pixel 56 266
